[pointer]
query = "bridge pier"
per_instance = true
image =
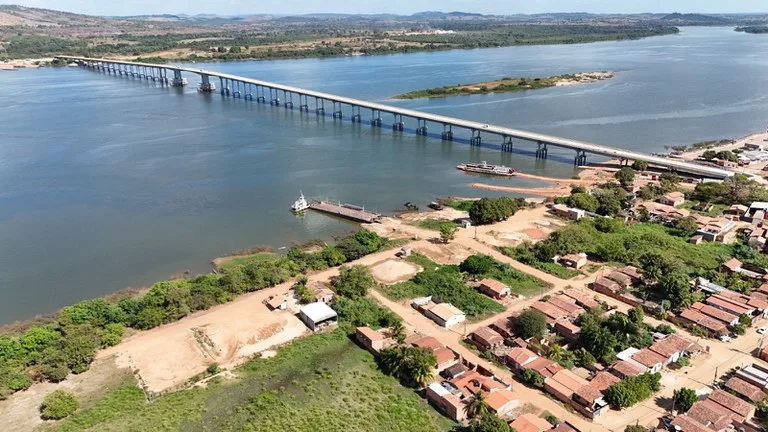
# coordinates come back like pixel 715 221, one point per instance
pixel 447 134
pixel 506 146
pixel 356 114
pixel 206 86
pixel 337 112
pixel 303 103
pixel 421 128
pixel 178 80
pixel 581 158
pixel 398 123
pixel 320 110
pixel 475 140
pixel 289 102
pixel 376 120
pixel 541 152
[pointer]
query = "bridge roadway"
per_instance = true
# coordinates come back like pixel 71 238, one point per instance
pixel 476 127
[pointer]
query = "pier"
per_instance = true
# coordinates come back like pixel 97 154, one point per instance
pixel 342 107
pixel 346 211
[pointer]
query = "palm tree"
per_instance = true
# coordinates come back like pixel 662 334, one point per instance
pixel 477 406
pixel 397 331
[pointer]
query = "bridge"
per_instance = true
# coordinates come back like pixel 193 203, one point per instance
pixel 264 91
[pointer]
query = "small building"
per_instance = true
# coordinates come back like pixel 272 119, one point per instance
pixel 322 292
pixel 634 273
pixel 405 251
pixel 277 302
pixel 568 330
pixel 715 229
pixel 371 339
pixel 574 261
pixel 674 199
pixel 581 298
pixel 604 379
pixel 545 367
pixel 501 401
pixel 718 314
pixel 519 358
pixel 651 360
pixel 624 369
pixel 318 316
pixel 711 414
pixel 530 423
pixel 552 312
pixel 442 396
pixel 445 314
pixel 754 374
pixel 465 223
pixel 486 339
pixel 736 210
pixel 504 327
pixel 564 211
pixel 745 389
pixel 697 239
pixel 606 286
pixel 756 212
pixel 567 304
pixel 729 305
pixel 494 289
pixel 671 348
pixel 742 409
pixel 620 278
pixel 694 317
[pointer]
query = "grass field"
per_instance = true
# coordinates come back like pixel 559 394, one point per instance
pixel 245 259
pixel 547 267
pixel 320 382
pixel 430 224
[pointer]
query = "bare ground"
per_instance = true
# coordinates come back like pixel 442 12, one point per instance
pixel 394 270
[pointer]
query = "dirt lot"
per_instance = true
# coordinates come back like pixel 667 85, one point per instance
pixel 168 356
pixel 532 225
pixel 394 270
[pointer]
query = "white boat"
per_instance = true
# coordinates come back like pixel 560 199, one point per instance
pixel 300 204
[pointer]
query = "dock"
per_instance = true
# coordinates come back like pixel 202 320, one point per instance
pixel 346 211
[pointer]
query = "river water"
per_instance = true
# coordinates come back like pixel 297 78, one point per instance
pixel 108 182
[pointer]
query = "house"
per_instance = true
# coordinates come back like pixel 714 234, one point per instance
pixel 633 272
pixel 651 360
pixel 671 348
pixel 604 379
pixel 574 261
pixel 581 298
pixel 322 292
pixel 694 317
pixel 518 359
pixel 501 401
pixel 742 409
pixel 454 371
pixel 589 401
pixel 624 369
pixel 567 304
pixel 530 423
pixel 564 211
pixel 370 339
pixel 504 327
pixel 552 312
pixel 565 427
pixel 756 212
pixel 673 199
pixel 494 289
pixel 729 305
pixel 710 414
pixel 445 357
pixel 445 314
pixel 620 278
pixel 718 314
pixel 736 210
pixel 715 229
pixel 277 302
pixel 576 391
pixel 754 374
pixel 486 339
pixel 465 223
pixel 606 286
pixel 745 389
pixel 405 251
pixel 545 367
pixel 707 286
pixel 568 330
pixel 684 423
pixel 446 401
pixel 318 316
pixel 697 239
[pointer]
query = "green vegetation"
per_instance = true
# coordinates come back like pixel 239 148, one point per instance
pixel 533 378
pixel 462 205
pixel 504 85
pixel 446 283
pixel 607 199
pixel 625 176
pixel 684 398
pixel 524 254
pixel 489 210
pixel 353 282
pixel 431 224
pixel 447 232
pixel 69 344
pixel 604 336
pixel 412 365
pixel 487 422
pixel 633 390
pixel 532 323
pixel 58 405
pixel 738 189
pixel 323 381
pixel 484 266
pixel 241 260
pixel 635 428
pixel 753 29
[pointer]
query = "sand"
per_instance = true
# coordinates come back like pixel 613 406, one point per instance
pixel 394 270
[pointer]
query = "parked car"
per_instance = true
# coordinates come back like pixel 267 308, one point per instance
pixel 762 330
pixel 725 338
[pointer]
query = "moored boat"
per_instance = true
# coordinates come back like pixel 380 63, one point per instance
pixel 486 168
pixel 300 204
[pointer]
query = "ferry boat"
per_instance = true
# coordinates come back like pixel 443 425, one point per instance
pixel 300 204
pixel 486 168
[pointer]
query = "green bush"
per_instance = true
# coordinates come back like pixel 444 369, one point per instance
pixel 531 323
pixel 633 390
pixel 58 405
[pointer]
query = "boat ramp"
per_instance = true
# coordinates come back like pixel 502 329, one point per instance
pixel 346 211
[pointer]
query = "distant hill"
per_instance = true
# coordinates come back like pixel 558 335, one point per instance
pixel 695 19
pixel 13 15
pixel 444 15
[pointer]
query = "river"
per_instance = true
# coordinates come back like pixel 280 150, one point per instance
pixel 108 182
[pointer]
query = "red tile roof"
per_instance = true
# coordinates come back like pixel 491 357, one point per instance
pixel 530 423
pixel 371 334
pixel 728 305
pixel 544 366
pixel 444 355
pixel 708 323
pixel 487 335
pixel 500 397
pixel 648 358
pixel 738 406
pixel 718 314
pixel 568 305
pixel 520 356
pixel 626 368
pixel 494 286
pixel 671 345
pixel 684 423
pixel 710 414
pixel 581 298
pixel 604 379
pixel 550 310
pixel 426 342
pixel 746 389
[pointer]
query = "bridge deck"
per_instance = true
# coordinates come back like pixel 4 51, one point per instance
pixel 568 143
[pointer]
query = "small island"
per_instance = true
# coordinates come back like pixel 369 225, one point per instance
pixel 508 84
pixel 753 29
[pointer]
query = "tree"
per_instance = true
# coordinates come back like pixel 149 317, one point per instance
pixel 531 323
pixel 447 231
pixel 686 226
pixel 635 428
pixel 353 282
pixel 709 155
pixel 397 331
pixel 477 406
pixel 668 181
pixel 578 189
pixel 487 210
pixel 412 365
pixel 609 203
pixel 583 201
pixel 625 176
pixel 639 165
pixel 477 264
pixel 58 405
pixel 489 423
pixel 371 241
pixel 533 378
pixel 677 290
pixel 684 399
pixel 584 358
pixel 235 50
pixel 222 49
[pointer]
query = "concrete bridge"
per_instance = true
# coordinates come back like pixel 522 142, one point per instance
pixel 345 107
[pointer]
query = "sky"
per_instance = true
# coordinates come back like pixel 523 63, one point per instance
pixel 404 7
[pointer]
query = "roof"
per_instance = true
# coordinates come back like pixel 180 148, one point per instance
pixel 500 397
pixel 569 380
pixel 648 358
pixel 684 423
pixel 632 271
pixel 530 423
pixel 740 407
pixel 444 355
pixel 455 369
pixel 446 311
pixel 521 356
pixel 728 305
pixel 564 427
pixel 700 319
pixel 746 389
pixel 550 310
pixel 318 312
pixel 567 304
pixel 714 312
pixel 607 283
pixel 589 393
pixel 711 414
pixel 582 298
pixel 670 345
pixel 573 257
pixel 276 301
pixel 371 334
pixel 488 335
pixel 620 277
pixel 674 195
pixel 626 368
pixel 505 325
pixel 732 264
pixel 604 379
pixel 438 389
pixel 544 366
pixel 426 342
pixel 494 285
pixel 569 326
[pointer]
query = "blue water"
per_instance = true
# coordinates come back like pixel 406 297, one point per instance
pixel 108 182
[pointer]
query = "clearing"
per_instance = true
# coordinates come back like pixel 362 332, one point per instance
pixel 394 270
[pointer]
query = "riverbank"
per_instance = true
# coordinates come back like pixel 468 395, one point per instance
pixel 508 84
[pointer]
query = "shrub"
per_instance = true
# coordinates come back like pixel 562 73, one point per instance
pixel 533 378
pixel 212 368
pixel 684 399
pixel 531 323
pixel 58 405
pixel 353 282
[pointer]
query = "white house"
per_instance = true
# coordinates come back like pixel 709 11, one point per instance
pixel 445 314
pixel 318 315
